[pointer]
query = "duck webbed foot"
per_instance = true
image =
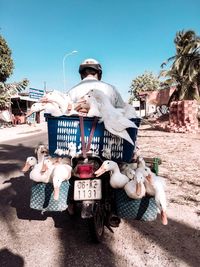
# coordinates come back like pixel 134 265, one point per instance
pixel 164 218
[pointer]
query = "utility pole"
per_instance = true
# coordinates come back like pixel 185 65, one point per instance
pixel 45 87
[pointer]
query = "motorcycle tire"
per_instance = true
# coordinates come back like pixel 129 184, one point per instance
pixel 96 224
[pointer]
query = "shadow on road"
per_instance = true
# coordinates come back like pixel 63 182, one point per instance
pixel 9 259
pixel 15 152
pixel 79 248
pixel 15 189
pixel 12 158
pixel 178 239
pixel 17 195
pixel 72 233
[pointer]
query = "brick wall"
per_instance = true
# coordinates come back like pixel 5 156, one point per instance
pixel 183 116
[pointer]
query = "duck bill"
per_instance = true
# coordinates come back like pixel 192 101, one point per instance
pixel 29 113
pixel 26 167
pixel 45 100
pixel 56 193
pixel 138 189
pixel 149 178
pixel 100 171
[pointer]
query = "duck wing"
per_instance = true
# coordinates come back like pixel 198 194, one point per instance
pixel 124 123
pixel 53 109
pixel 129 111
pixel 119 122
pixel 123 134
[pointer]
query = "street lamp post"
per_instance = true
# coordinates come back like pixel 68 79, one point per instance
pixel 65 56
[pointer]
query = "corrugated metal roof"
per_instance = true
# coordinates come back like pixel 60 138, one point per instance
pixel 26 98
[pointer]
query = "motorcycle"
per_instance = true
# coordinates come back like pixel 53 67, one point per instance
pixel 93 196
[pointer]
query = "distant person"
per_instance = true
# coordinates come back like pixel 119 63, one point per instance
pixel 91 72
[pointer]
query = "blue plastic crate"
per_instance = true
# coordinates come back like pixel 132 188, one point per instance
pixel 65 130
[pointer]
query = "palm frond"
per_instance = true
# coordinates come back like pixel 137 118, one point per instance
pixel 163 73
pixel 167 61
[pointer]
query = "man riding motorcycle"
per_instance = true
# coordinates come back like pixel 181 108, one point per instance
pixel 91 73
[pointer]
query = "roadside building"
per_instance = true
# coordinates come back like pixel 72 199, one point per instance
pixel 153 101
pixel 20 105
pixel 139 107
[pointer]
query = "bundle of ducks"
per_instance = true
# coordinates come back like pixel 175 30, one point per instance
pixel 46 169
pixel 137 180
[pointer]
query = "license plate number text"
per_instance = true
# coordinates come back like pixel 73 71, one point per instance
pixel 87 189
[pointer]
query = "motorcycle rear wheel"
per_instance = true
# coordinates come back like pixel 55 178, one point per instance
pixel 96 224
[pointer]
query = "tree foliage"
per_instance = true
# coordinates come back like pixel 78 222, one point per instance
pixel 6 69
pixel 8 90
pixel 145 82
pixel 6 62
pixel 184 71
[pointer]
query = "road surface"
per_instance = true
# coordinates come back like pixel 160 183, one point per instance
pixel 28 238
pixel 31 239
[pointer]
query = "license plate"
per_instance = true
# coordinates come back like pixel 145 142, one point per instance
pixel 87 189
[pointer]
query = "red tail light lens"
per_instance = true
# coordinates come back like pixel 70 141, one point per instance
pixel 85 171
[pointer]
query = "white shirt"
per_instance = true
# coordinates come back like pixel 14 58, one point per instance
pixel 90 83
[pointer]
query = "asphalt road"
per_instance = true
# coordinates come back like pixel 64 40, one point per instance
pixel 31 239
pixel 13 153
pixel 28 238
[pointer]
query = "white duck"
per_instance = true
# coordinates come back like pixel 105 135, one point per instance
pixel 128 166
pixel 104 100
pixel 141 162
pixel 41 151
pixel 155 186
pixel 135 188
pixel 117 179
pixel 136 152
pixel 62 100
pixel 130 173
pixel 93 105
pixel 106 152
pixel 107 149
pixel 113 119
pixel 60 173
pixel 36 173
pixel 60 152
pixel 72 149
pixel 51 108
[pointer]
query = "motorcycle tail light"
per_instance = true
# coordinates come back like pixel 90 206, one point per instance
pixel 85 171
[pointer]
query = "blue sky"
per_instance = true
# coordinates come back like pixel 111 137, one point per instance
pixel 127 37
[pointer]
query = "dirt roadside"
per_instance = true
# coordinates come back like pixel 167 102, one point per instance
pixel 178 243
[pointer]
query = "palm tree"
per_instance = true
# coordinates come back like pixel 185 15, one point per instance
pixel 185 69
pixel 10 89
